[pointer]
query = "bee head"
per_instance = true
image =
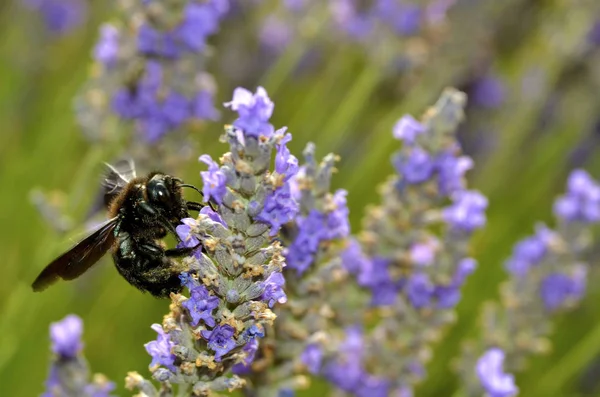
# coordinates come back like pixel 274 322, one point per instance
pixel 163 191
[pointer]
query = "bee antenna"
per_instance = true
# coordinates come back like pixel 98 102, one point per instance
pixel 191 186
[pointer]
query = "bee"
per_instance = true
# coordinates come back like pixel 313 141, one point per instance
pixel 142 210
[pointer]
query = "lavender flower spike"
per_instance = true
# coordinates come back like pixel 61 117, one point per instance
pixel 412 254
pixel 69 373
pixel 234 281
pixel 547 275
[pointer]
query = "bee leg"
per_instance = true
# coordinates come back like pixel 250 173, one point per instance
pixel 194 206
pixel 178 252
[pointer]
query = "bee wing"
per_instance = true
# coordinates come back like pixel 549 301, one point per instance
pixel 114 180
pixel 78 259
pixel 117 177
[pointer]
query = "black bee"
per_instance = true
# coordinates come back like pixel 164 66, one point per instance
pixel 142 210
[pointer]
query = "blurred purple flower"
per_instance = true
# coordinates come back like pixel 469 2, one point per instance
pixel 467 213
pixel 407 129
pixel 375 275
pixel 355 23
pixel 106 50
pixel 416 167
pixel 557 289
pixel 451 172
pixel 312 357
pixel 488 92
pixel 66 336
pixel 403 18
pixel 60 16
pixel 420 290
pixel 581 203
pixel 491 374
pixel 527 253
pixel 275 34
pixel 203 106
pixel 353 258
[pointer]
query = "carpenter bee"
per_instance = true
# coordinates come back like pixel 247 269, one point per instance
pixel 141 211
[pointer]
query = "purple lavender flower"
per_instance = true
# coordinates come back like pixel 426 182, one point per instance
pixel 250 349
pixel 358 25
pixel 404 19
pixel 494 380
pixel 214 216
pixel 312 356
pixel 286 164
pixel 273 289
pixel 416 167
pixel 275 34
pixel 448 296
pixel 407 129
pixel 353 258
pixel 199 22
pixel 160 349
pixel 528 252
pixel 420 290
pixel 373 386
pixel 200 306
pixel 337 223
pixel 184 232
pixel 423 254
pixel 60 16
pixel 66 336
pixel 376 276
pixel 315 228
pixel 488 92
pixel 152 42
pixel 468 211
pixel 214 180
pixel 581 203
pixel 203 107
pixel 107 48
pixel 220 339
pixel 310 233
pixel 254 112
pixel 451 172
pixel 557 289
pixel 99 390
pixel 279 208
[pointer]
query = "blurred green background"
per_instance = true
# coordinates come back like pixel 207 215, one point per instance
pixel 346 102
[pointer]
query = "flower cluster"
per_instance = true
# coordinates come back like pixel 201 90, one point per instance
pixel 547 274
pixel 236 279
pixel 145 64
pixel 69 374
